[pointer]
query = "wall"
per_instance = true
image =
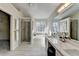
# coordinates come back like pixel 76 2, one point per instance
pixel 15 14
pixel 32 31
pixel 22 30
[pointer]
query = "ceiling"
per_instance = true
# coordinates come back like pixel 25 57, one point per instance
pixel 37 10
pixel 71 11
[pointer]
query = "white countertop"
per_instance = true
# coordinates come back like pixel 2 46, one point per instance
pixel 68 48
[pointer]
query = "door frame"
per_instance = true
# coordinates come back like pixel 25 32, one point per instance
pixel 27 20
pixel 9 28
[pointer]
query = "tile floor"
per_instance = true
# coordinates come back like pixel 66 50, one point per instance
pixel 25 49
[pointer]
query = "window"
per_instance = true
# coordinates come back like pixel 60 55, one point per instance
pixel 40 26
pixel 55 27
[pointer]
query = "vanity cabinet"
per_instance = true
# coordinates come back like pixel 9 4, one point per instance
pixel 51 51
pixel 48 44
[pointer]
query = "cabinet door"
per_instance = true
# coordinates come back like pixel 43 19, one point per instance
pixel 46 43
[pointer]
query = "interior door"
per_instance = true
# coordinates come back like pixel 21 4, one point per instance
pixel 74 25
pixel 27 32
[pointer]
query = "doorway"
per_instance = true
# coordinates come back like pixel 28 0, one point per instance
pixel 26 31
pixel 74 29
pixel 4 31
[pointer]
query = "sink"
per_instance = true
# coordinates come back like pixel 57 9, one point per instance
pixel 72 52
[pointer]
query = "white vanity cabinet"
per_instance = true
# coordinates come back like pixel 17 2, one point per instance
pixel 46 43
pixel 57 53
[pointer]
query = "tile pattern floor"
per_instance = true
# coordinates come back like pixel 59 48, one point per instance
pixel 25 49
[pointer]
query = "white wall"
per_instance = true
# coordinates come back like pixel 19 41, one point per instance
pixel 15 14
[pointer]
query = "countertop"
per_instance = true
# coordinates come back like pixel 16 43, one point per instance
pixel 68 48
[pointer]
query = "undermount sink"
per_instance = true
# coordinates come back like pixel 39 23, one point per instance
pixel 72 52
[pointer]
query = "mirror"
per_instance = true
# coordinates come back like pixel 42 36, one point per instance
pixel 66 24
pixel 71 27
pixel 64 27
pixel 61 28
pixel 68 27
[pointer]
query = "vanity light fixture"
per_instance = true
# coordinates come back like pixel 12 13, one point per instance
pixel 64 6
